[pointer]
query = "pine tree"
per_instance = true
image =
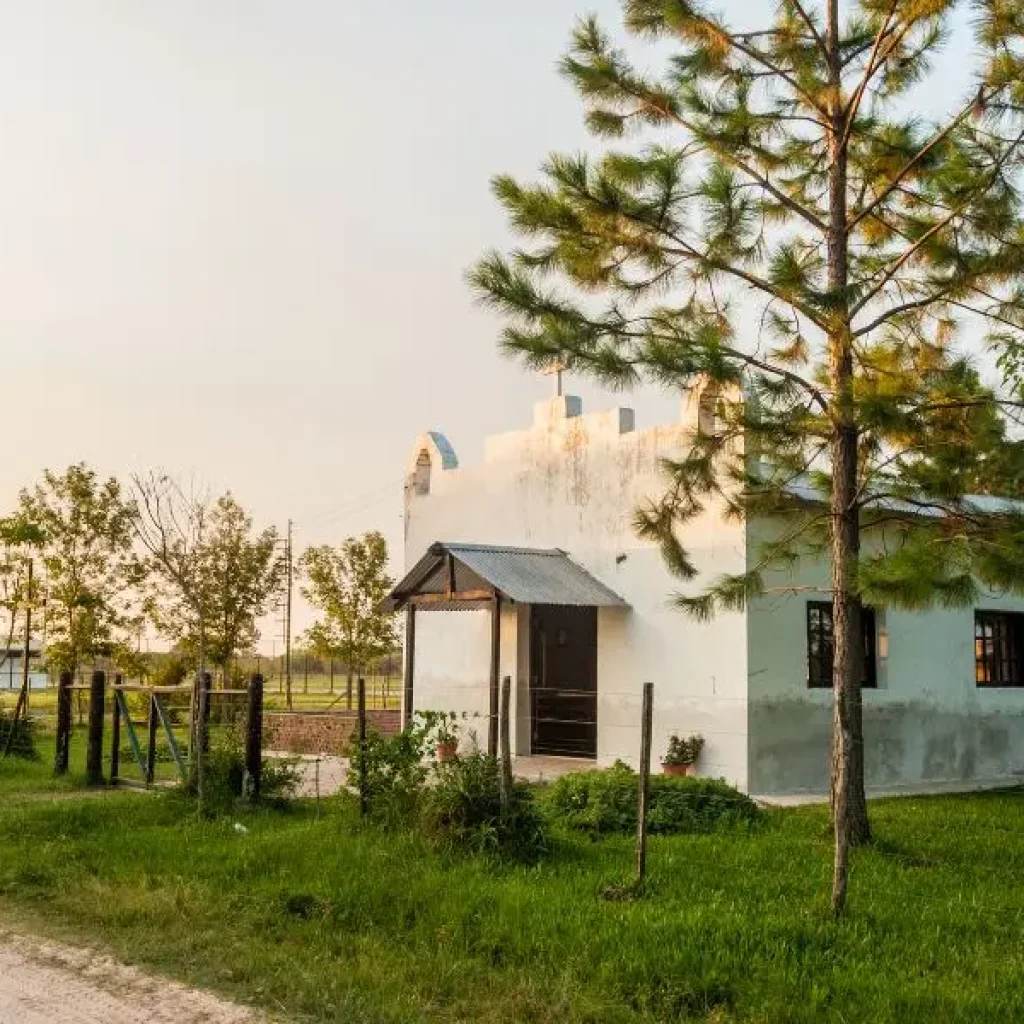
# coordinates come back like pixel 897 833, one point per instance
pixel 792 236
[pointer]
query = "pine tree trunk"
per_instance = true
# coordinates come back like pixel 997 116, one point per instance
pixel 348 689
pixel 849 807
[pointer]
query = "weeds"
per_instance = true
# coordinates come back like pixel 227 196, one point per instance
pixel 605 802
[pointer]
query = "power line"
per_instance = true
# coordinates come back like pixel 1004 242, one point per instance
pixel 355 504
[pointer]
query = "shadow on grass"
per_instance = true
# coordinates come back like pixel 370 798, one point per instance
pixel 904 855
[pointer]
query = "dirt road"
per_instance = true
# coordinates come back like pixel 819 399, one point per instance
pixel 46 983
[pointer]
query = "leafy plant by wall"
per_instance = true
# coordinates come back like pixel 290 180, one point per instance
pixel 605 802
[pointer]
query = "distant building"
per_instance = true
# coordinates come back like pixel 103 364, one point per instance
pixel 12 660
pixel 528 566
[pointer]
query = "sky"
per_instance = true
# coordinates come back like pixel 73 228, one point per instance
pixel 234 236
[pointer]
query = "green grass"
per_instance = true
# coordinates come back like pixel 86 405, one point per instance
pixel 325 920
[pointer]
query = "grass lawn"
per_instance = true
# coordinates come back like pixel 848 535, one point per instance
pixel 325 920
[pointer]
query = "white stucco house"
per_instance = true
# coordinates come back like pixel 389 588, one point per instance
pixel 527 566
pixel 12 662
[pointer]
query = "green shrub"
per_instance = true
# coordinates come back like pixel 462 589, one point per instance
pixel 463 810
pixel 394 771
pixel 224 775
pixel 604 802
pixel 23 744
pixel 456 803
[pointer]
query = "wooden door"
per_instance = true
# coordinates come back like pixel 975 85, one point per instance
pixel 563 676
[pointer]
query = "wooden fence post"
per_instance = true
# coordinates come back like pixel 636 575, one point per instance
pixel 115 733
pixel 94 752
pixel 361 713
pixel 495 682
pixel 645 777
pixel 63 747
pixel 254 739
pixel 409 668
pixel 153 721
pixel 204 712
pixel 506 743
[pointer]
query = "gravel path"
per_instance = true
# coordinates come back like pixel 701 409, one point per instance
pixel 46 983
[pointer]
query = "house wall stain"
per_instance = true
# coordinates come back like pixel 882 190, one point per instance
pixel 910 746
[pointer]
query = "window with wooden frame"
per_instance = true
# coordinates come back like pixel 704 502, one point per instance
pixel 820 646
pixel 998 648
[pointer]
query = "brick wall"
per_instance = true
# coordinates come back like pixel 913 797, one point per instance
pixel 321 732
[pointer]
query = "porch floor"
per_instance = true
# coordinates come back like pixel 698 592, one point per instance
pixel 547 768
pixel 326 774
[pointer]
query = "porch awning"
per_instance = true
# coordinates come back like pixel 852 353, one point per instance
pixel 461 575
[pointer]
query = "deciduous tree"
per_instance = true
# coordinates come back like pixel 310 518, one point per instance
pixel 787 227
pixel 347 585
pixel 215 574
pixel 20 540
pixel 83 526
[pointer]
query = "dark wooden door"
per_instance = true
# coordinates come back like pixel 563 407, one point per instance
pixel 563 675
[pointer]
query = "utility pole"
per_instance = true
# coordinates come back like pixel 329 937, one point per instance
pixel 288 622
pixel 25 687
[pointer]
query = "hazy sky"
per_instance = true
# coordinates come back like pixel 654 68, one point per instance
pixel 234 232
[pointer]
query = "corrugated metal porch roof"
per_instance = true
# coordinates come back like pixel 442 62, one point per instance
pixel 527 575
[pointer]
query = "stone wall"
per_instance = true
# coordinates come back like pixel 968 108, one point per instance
pixel 321 732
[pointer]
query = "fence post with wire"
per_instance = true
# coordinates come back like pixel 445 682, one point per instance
pixel 62 751
pixel 94 749
pixel 254 739
pixel 646 722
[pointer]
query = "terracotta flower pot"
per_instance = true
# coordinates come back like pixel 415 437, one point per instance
pixel 677 770
pixel 447 751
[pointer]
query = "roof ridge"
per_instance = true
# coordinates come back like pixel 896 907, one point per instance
pixel 512 548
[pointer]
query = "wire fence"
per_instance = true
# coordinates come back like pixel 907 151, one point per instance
pixel 310 690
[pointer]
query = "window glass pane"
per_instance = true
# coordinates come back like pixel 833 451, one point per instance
pixel 997 649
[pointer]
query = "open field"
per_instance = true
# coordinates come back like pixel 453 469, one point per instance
pixel 327 920
pixel 312 693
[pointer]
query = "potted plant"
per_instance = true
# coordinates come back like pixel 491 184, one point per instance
pixel 441 724
pixel 681 757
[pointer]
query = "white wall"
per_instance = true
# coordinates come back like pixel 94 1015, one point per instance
pixel 453 667
pixel 575 482
pixel 927 725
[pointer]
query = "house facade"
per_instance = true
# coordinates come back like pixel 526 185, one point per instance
pixel 527 566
